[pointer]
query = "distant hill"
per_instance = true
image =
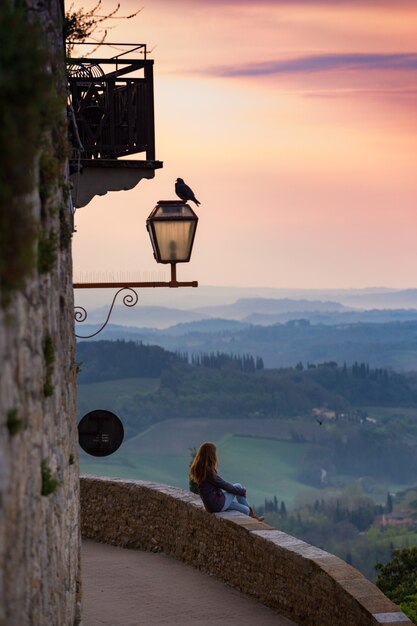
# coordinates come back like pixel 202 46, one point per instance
pixel 244 307
pixel 374 316
pixel 386 344
pixel 400 299
pixel 197 306
pixel 207 326
pixel 145 316
pixel 206 295
pixel 363 307
pixel 164 317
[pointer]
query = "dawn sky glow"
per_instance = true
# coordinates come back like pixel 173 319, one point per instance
pixel 295 123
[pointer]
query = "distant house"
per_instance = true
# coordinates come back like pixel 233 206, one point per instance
pixel 303 323
pixel 396 518
pixel 324 413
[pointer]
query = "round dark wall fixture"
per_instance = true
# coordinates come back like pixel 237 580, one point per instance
pixel 100 433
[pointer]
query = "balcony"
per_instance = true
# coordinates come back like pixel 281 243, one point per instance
pixel 111 117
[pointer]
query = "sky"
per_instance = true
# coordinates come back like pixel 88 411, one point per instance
pixel 295 123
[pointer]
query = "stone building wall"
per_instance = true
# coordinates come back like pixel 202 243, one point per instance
pixel 308 585
pixel 39 473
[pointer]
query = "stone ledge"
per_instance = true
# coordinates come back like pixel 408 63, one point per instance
pixel 391 618
pixel 304 583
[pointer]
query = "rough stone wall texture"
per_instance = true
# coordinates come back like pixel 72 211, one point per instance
pixel 308 585
pixel 39 534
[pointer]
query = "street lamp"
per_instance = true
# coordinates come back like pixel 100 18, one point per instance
pixel 171 227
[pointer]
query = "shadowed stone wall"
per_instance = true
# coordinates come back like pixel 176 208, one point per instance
pixel 304 583
pixel 39 479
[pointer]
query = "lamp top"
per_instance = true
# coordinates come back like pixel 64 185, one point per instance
pixel 168 209
pixel 169 202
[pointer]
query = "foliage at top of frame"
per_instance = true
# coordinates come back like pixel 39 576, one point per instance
pixel 80 25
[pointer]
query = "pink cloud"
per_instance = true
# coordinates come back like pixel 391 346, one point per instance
pixel 357 4
pixel 320 63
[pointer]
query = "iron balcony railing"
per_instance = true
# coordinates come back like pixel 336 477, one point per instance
pixel 111 105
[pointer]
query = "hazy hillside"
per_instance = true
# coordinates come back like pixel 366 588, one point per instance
pixel 333 318
pixel 262 416
pixel 391 344
pixel 222 386
pixel 206 295
pixel 164 317
pixel 245 307
pixel 207 326
pixel 145 316
pixel 403 298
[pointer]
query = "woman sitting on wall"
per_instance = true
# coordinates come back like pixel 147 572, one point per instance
pixel 217 495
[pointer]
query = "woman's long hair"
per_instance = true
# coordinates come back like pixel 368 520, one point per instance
pixel 205 459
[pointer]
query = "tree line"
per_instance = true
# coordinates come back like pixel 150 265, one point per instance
pixel 112 360
pixel 285 390
pixel 221 360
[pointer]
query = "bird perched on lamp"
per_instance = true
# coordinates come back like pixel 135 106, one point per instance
pixel 184 192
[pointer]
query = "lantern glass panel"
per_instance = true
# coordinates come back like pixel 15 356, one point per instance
pixel 174 240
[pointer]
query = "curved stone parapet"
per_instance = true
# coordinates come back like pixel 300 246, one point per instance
pixel 306 584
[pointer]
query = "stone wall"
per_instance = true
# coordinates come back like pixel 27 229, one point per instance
pixel 304 583
pixel 39 474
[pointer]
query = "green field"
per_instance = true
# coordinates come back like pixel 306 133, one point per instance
pixel 266 467
pixel 259 452
pixel 112 394
pixel 388 413
pixel 160 454
pixel 168 469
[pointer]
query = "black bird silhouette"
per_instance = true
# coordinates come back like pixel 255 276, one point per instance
pixel 184 192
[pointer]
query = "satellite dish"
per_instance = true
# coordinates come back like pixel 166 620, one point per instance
pixel 100 433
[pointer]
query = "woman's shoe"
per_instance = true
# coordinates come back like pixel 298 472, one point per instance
pixel 252 513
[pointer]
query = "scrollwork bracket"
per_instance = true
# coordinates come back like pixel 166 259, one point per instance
pixel 129 299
